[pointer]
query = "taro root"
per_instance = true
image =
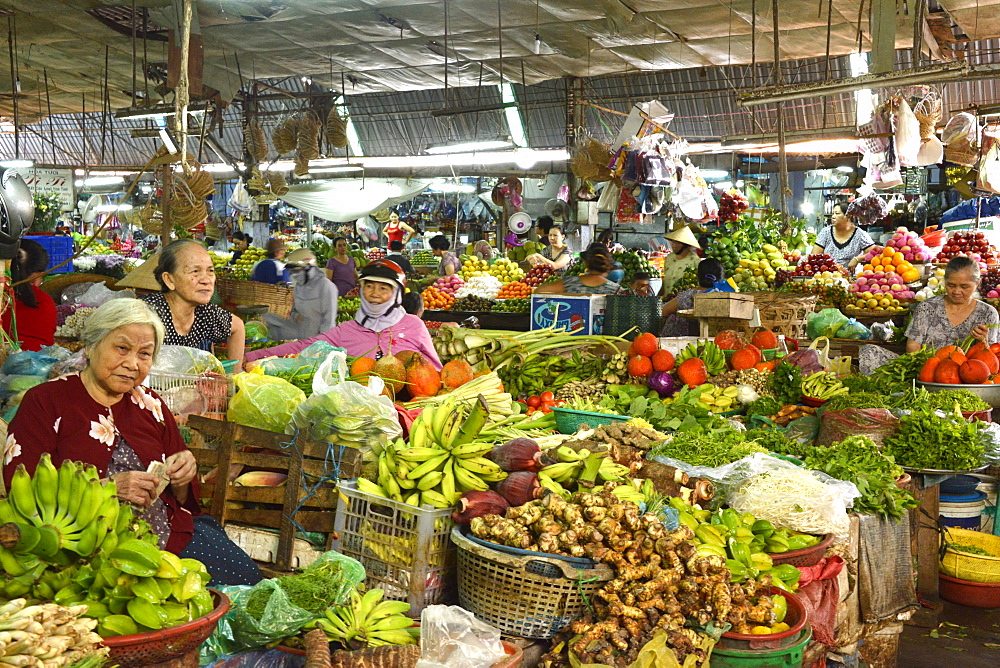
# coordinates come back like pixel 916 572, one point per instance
pixel 475 504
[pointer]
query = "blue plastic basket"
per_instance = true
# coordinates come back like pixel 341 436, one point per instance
pixel 59 249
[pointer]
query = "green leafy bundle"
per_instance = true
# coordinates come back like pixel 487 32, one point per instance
pixel 786 382
pixel 905 368
pixel 925 440
pixel 314 590
pixel 763 406
pixel 681 415
pixel 860 461
pixel 714 448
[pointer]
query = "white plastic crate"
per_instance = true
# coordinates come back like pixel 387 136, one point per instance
pixel 263 545
pixel 675 344
pixel 187 394
pixel 406 551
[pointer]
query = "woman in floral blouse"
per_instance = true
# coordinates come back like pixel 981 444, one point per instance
pixel 102 416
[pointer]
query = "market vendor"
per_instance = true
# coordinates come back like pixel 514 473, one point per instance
pixel 556 255
pixel 34 310
pixel 594 281
pixel 341 268
pixel 710 271
pixel 396 230
pixel 103 416
pixel 380 327
pixel 272 268
pixel 450 264
pixel 314 309
pixel 683 256
pixel 187 282
pixel 241 242
pixel 842 240
pixel 396 255
pixel 948 319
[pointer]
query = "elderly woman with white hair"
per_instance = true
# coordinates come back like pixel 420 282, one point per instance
pixel 103 416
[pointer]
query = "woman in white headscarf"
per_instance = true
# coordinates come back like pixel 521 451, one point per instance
pixel 315 307
pixel 381 325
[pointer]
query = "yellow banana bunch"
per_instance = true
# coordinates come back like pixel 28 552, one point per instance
pixel 368 619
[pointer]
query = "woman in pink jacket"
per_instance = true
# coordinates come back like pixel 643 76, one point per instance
pixel 380 327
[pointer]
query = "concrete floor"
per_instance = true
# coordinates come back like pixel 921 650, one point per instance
pixel 966 638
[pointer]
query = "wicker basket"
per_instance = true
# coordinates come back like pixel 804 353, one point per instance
pixel 973 567
pixel 785 313
pixel 529 597
pixel 233 293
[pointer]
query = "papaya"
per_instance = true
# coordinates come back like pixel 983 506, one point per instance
pixel 927 372
pixel 947 372
pixel 988 358
pixel 945 352
pixel 974 372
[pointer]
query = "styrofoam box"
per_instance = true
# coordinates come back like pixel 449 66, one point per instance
pixel 675 344
pixel 263 546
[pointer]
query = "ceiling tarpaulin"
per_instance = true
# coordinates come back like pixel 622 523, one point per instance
pixel 345 200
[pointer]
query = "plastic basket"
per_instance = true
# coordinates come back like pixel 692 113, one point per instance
pixel 569 420
pixel 59 249
pixel 187 394
pixel 795 618
pixel 405 550
pixel 144 649
pixel 786 657
pixel 967 592
pixel 770 353
pixel 807 556
pixel 972 567
pixel 528 597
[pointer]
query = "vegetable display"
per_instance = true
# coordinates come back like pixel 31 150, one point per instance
pixel 786 382
pixel 711 449
pixel 926 440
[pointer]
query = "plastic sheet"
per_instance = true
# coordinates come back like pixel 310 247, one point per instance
pixel 185 360
pixel 98 293
pixel 875 423
pixel 264 402
pixel 29 363
pixel 451 637
pixel 72 364
pixel 258 658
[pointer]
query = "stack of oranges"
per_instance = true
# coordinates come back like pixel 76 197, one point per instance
pixel 892 260
pixel 437 299
pixel 514 290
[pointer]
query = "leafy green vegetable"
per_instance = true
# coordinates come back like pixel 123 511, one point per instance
pixel 775 441
pixel 971 549
pixel 859 383
pixel 786 382
pixel 763 406
pixel 926 440
pixel 905 368
pixel 946 400
pixel 681 415
pixel 860 461
pixel 712 449
pixel 315 589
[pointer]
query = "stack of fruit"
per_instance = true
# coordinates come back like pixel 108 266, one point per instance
pixel 910 245
pixel 890 260
pixel 481 285
pixel 449 284
pixel 731 204
pixel 347 307
pixel 473 303
pixel 473 265
pixel 442 460
pixel 817 264
pixel 515 305
pixel 725 251
pixel 759 269
pixel 872 301
pixel 423 258
pixel 538 275
pixel 520 254
pixel 436 299
pixel 514 290
pixel 360 258
pixel 989 285
pixel 506 270
pixel 242 267
pixel 882 283
pixel 375 254
pixel 935 284
pixel 633 262
pixel 978 365
pixel 971 244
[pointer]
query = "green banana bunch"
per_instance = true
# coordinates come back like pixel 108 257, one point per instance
pixel 442 460
pixel 367 620
pixel 823 385
pixel 66 538
pixel 708 352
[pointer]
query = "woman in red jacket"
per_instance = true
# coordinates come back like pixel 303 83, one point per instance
pixel 34 311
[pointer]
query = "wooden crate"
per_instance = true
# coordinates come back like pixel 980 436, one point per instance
pixel 723 305
pixel 218 443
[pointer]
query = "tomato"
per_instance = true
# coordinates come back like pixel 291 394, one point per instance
pixel 547 396
pixel 534 402
pixel 546 410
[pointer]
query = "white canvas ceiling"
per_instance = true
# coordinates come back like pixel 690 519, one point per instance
pixel 395 45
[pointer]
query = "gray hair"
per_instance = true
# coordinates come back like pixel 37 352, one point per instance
pixel 121 312
pixel 962 263
pixel 167 264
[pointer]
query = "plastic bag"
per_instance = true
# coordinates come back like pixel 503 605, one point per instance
pixel 333 370
pixel 97 294
pixel 185 360
pixel 907 135
pixel 852 329
pixel 258 658
pixel 788 495
pixel 347 413
pixel 241 201
pixel 875 423
pixel 264 402
pixel 825 323
pixel 22 383
pixel 319 351
pixel 451 637
pixel 29 363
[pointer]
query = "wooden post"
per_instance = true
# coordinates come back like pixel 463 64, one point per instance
pixel 168 185
pixel 925 548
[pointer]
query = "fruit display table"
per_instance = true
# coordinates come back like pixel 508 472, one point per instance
pixel 517 322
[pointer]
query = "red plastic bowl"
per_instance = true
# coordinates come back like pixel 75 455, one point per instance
pixel 807 556
pixel 966 592
pixel 814 403
pixel 143 649
pixel 795 618
pixel 979 416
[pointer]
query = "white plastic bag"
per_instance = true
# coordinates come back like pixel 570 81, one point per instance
pixel 241 201
pixel 98 293
pixel 907 133
pixel 451 637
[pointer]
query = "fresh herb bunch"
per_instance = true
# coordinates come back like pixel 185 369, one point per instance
pixel 314 590
pixel 786 382
pixel 763 406
pixel 711 449
pixel 946 400
pixel 860 461
pixel 775 441
pixel 681 415
pixel 857 383
pixel 301 377
pixel 860 400
pixel 905 368
pixel 926 440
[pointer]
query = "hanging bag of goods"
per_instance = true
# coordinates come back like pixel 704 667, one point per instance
pixel 989 166
pixel 961 139
pixel 928 114
pixel 907 133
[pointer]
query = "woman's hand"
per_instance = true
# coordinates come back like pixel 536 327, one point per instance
pixel 980 332
pixel 182 468
pixel 136 487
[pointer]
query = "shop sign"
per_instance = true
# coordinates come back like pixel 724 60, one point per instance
pixel 53 182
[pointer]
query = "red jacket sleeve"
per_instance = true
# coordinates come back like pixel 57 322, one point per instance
pixel 32 433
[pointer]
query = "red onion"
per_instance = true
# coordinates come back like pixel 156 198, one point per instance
pixel 519 487
pixel 520 454
pixel 475 504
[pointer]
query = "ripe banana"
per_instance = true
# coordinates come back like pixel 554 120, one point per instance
pixel 368 619
pixel 479 465
pixel 474 449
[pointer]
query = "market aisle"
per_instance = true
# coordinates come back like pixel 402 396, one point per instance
pixel 965 638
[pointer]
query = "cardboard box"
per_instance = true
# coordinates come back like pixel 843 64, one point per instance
pixel 583 313
pixel 723 305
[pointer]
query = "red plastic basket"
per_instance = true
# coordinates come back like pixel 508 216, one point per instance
pixel 795 618
pixel 966 592
pixel 143 649
pixel 807 556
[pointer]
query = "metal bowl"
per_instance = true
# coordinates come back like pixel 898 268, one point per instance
pixel 988 393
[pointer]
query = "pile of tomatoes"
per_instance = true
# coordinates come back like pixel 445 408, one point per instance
pixel 543 402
